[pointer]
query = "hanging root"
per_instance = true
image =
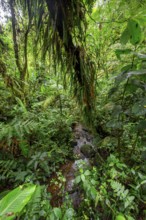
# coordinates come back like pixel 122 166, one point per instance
pixel 68 19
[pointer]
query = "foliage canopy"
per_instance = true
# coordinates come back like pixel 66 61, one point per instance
pixel 52 52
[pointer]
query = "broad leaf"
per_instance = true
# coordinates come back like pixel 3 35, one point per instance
pixel 119 52
pixel 125 36
pixel 15 201
pixel 132 33
pixel 120 217
pixel 135 32
pixel 58 213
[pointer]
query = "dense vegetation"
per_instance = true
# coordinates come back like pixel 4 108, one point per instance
pixel 67 62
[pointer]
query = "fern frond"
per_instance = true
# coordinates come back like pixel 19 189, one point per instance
pixel 6 167
pixel 33 207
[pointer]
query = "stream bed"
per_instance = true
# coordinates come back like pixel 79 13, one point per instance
pixel 83 149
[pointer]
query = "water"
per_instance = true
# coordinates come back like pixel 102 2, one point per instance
pixel 81 136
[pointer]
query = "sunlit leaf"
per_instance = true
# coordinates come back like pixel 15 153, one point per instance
pixel 15 201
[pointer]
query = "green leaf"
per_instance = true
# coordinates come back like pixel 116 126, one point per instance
pixel 114 124
pixel 119 52
pixel 78 179
pixel 132 33
pixel 141 56
pixel 87 173
pixel 21 104
pixel 15 201
pixel 69 214
pixel 129 217
pixel 126 68
pixel 58 213
pixel 93 193
pixel 142 125
pixel 135 32
pixel 128 201
pixel 83 177
pixel 141 19
pixel 136 73
pixel 138 110
pixel 52 217
pixel 120 217
pixel 125 36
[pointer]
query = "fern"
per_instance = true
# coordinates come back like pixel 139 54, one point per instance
pixel 123 194
pixel 6 168
pixel 33 206
pixel 13 136
pixel 39 205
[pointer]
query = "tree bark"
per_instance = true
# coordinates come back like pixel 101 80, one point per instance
pixel 16 49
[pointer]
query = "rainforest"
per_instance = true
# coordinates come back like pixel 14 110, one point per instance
pixel 72 110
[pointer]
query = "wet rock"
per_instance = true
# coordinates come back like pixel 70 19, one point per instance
pixel 76 198
pixel 85 129
pixel 77 153
pixel 74 124
pixel 77 135
pixel 88 137
pixel 87 150
pixel 62 182
pixel 81 164
pixel 73 143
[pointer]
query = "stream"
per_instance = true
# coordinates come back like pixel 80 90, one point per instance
pixel 82 150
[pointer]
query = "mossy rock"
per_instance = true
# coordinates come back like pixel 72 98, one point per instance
pixel 87 150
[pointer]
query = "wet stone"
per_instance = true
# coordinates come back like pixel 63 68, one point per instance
pixel 73 143
pixel 85 129
pixel 83 153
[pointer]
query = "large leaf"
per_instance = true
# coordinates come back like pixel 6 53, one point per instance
pixel 120 52
pixel 141 56
pixel 142 125
pixel 136 73
pixel 120 217
pixel 141 19
pixel 139 108
pixel 135 32
pixel 125 75
pixel 58 213
pixel 132 33
pixel 15 201
pixel 125 36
